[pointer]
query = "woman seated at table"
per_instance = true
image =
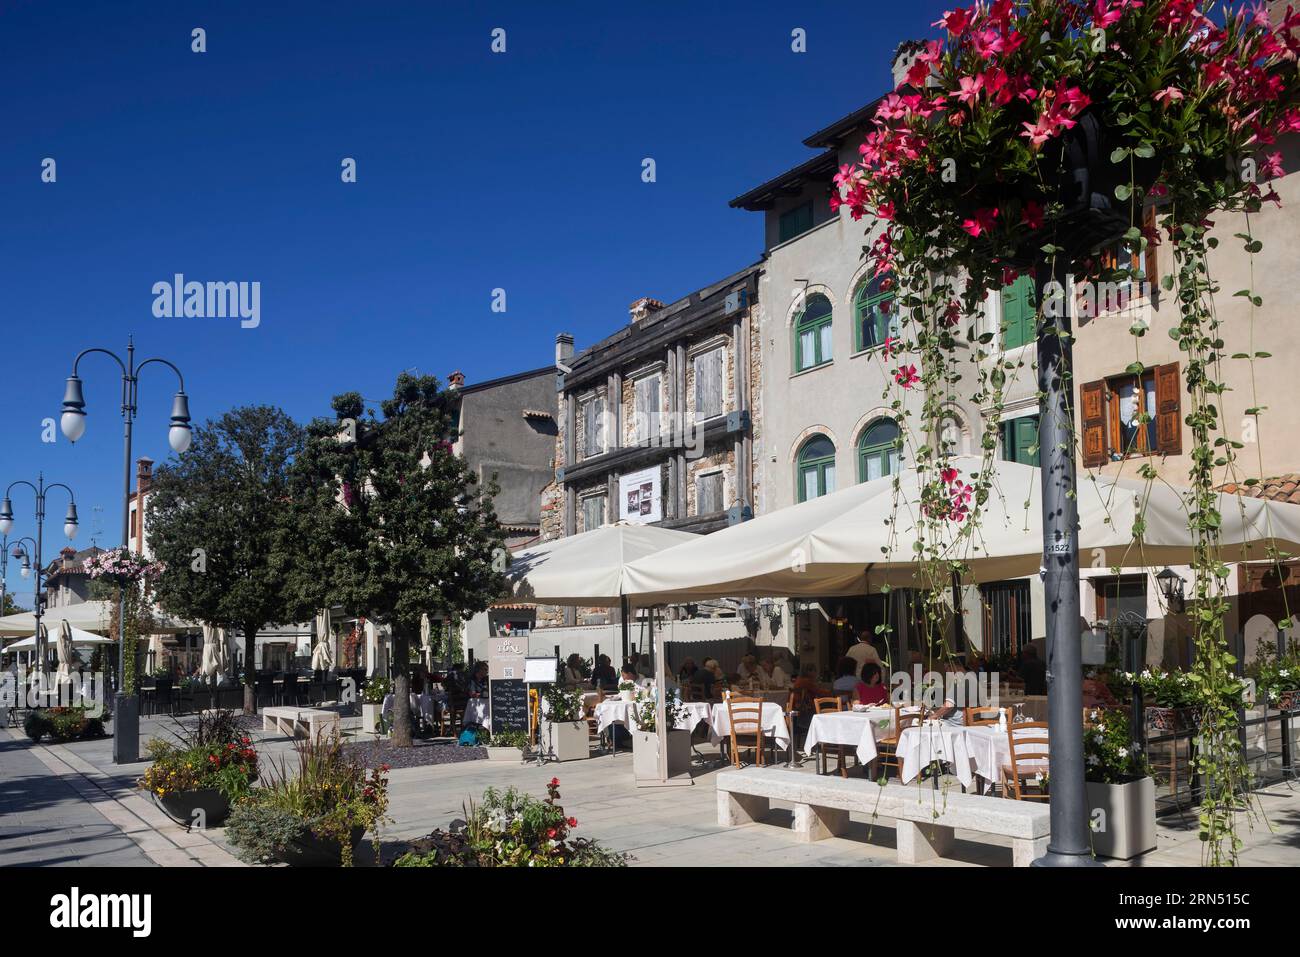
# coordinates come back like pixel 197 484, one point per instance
pixel 805 689
pixel 477 686
pixel 572 676
pixel 700 679
pixel 871 687
pixel 749 671
pixel 773 677
pixel 846 676
pixel 604 676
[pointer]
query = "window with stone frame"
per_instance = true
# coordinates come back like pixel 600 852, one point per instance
pixel 646 403
pixel 710 493
pixel 1132 414
pixel 708 384
pixel 593 512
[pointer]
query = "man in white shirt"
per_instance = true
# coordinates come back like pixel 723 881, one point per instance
pixel 773 677
pixel 863 651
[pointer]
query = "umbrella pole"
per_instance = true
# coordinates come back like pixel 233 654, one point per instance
pixel 623 614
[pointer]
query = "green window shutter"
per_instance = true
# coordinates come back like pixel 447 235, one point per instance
pixel 1018 313
pixel 1020 440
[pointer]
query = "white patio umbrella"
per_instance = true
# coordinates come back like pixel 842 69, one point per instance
pixel 210 666
pixel 80 639
pixel 86 615
pixel 64 647
pixel 42 644
pixel 322 656
pixel 840 543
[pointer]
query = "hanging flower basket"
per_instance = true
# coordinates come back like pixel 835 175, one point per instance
pixel 122 567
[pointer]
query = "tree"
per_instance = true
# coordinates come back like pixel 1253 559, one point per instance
pixel 390 524
pixel 217 520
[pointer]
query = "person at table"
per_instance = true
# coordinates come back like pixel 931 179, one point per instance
pixel 642 666
pixel 687 671
pixel 477 685
pixel 772 675
pixel 629 675
pixel 572 676
pixel 863 652
pixel 749 673
pixel 696 677
pixel 950 711
pixel 846 676
pixel 805 688
pixel 1033 671
pixel 604 676
pixel 871 685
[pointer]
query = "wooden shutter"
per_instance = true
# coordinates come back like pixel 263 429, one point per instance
pixel 641 413
pixel 1018 313
pixel 652 404
pixel 1149 220
pixel 1026 437
pixel 708 384
pixel 1169 410
pixel 1093 413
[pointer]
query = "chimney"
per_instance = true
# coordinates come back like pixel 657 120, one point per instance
pixel 904 57
pixel 456 380
pixel 143 475
pixel 643 307
pixel 564 348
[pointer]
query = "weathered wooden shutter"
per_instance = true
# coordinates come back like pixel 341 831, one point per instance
pixel 1169 410
pixel 652 404
pixel 708 384
pixel 640 411
pixel 1151 265
pixel 1093 413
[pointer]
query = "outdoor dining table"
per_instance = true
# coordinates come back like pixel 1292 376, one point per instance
pixel 476 712
pixel 774 725
pixel 979 751
pixel 859 729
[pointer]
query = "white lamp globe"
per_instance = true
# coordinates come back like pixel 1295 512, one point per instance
pixel 180 436
pixel 73 425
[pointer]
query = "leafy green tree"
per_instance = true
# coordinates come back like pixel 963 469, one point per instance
pixel 391 524
pixel 218 517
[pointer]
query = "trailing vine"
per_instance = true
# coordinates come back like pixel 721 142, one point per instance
pixel 1172 107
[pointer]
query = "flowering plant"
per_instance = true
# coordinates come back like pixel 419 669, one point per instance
pixel 376 689
pixel 122 566
pixel 674 710
pixel 1110 756
pixel 215 755
pixel 563 705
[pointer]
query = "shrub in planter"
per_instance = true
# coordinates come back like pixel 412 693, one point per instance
pixel 645 740
pixel 1121 791
pixel 506 745
pixel 36 725
pixel 213 766
pixel 511 829
pixel 324 806
pixel 372 704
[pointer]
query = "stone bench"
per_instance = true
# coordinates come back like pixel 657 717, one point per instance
pixel 926 819
pixel 296 722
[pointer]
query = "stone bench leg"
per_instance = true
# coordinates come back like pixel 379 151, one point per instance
pixel 918 843
pixel 812 823
pixel 735 809
pixel 1024 852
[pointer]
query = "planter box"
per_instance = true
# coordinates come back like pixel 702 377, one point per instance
pixel 565 742
pixel 370 714
pixel 645 754
pixel 126 729
pixel 1124 818
pixel 505 754
pixel 201 809
pixel 312 851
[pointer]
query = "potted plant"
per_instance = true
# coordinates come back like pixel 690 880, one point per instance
pixel 196 782
pixel 511 829
pixel 314 816
pixel 563 731
pixel 645 737
pixel 507 745
pixel 627 691
pixel 372 704
pixel 1121 791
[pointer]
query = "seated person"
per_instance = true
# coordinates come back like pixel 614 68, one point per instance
pixel 643 666
pixel 629 676
pixel 687 670
pixel 950 712
pixel 871 688
pixel 805 688
pixel 604 676
pixel 572 674
pixel 477 686
pixel 749 671
pixel 701 678
pixel 846 676
pixel 773 676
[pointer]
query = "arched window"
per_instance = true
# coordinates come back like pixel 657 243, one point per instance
pixel 878 450
pixel 812 333
pixel 873 313
pixel 816 468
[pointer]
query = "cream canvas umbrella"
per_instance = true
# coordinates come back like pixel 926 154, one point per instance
pixel 322 656
pixel 210 666
pixel 64 648
pixel 80 639
pixel 42 644
pixel 841 543
pixel 86 615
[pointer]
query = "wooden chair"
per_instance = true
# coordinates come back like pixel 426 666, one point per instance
pixel 1024 778
pixel 887 747
pixel 841 751
pixel 981 714
pixel 745 716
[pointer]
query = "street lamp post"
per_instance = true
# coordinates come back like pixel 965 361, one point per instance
pixel 7 526
pixel 126 718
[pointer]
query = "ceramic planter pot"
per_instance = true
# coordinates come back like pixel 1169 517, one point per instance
pixel 1288 700
pixel 627 696
pixel 312 851
pixel 1171 720
pixel 645 754
pixel 201 809
pixel 1123 818
pixel 567 741
pixel 504 754
pixel 370 714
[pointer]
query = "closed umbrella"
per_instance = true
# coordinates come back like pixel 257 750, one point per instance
pixel 322 656
pixel 211 663
pixel 42 647
pixel 223 651
pixel 64 648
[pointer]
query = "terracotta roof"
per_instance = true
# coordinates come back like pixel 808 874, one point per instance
pixel 1280 488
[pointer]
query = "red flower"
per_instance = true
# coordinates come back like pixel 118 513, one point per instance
pixel 981 223
pixel 573 822
pixel 551 832
pixel 1032 215
pixel 949 475
pixel 954 21
pixel 906 376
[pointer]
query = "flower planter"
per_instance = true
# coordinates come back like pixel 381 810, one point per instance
pixel 565 741
pixel 1171 720
pixel 1288 700
pixel 370 715
pixel 505 754
pixel 628 696
pixel 1123 818
pixel 645 754
pixel 312 851
pixel 202 809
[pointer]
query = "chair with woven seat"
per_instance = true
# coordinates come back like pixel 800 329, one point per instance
pixel 1024 776
pixel 981 714
pixel 745 715
pixel 887 747
pixel 840 751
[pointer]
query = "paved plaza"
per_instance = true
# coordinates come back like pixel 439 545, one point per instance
pixel 68 804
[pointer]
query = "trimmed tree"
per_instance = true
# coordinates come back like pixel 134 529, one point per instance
pixel 391 524
pixel 218 517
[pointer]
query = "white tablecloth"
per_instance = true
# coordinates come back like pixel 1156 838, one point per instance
pixel 981 750
pixel 859 729
pixel 615 711
pixel 476 712
pixel 774 725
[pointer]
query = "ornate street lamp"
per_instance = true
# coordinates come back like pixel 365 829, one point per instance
pixel 33 556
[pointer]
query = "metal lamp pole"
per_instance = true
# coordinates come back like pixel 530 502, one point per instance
pixel 126 739
pixel 69 529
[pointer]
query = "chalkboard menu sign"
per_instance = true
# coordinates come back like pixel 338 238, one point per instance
pixel 509 700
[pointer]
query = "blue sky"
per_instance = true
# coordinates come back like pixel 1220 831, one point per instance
pixel 475 171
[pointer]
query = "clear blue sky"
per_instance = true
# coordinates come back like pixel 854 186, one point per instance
pixel 476 171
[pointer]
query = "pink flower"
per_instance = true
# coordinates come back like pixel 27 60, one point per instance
pixel 1009 275
pixel 906 376
pixel 981 223
pixel 970 89
pixel 952 313
pixel 949 475
pixel 1272 166
pixel 1032 215
pixel 889 346
pixel 954 21
pixel 1168 95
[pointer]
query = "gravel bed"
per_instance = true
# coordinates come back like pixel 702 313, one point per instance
pixel 371 754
